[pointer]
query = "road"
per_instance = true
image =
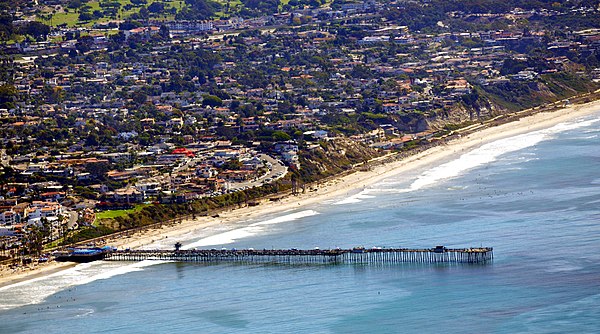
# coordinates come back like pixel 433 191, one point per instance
pixel 277 171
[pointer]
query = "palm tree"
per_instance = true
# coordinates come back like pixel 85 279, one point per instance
pixel 33 241
pixel 178 246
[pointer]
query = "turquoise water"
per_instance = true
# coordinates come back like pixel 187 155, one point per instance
pixel 535 198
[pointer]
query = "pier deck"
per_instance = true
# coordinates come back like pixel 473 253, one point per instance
pixel 438 254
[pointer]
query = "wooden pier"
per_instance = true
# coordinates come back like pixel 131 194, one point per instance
pixel 438 254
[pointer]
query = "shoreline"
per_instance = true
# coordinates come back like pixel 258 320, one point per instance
pixel 332 188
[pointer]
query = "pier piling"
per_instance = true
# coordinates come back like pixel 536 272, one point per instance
pixel 438 254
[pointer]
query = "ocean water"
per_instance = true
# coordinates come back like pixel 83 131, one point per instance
pixel 535 198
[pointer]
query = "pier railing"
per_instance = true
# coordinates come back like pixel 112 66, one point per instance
pixel 298 256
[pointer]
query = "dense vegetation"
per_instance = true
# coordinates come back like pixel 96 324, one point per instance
pixel 517 95
pixel 199 10
pixel 162 213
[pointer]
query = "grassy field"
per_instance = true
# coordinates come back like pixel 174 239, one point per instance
pixel 111 214
pixel 72 17
pixel 234 7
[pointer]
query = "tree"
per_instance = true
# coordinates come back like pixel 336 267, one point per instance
pixel 156 7
pixel 92 139
pixel 74 4
pixel 164 32
pixel 53 94
pixel 211 100
pixel 144 13
pixel 84 43
pixel 8 94
pixel 139 97
pixel 97 14
pixel 85 16
pixel 6 26
pixel 280 136
pixel 361 72
pixel 199 10
pixel 128 25
pixel 98 170
pixel 233 164
pixel 37 29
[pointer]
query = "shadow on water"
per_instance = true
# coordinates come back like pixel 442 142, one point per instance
pixel 223 317
pixel 180 269
pixel 440 267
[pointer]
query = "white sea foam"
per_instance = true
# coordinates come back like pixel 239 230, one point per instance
pixel 120 270
pixel 561 266
pixel 36 290
pixel 488 153
pixel 587 137
pixel 247 231
pixel 480 156
pixel 355 198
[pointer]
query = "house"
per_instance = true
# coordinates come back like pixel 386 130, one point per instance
pixel 151 188
pixel 126 195
pixel 288 146
pixel 176 122
pixel 253 163
pixel 100 188
pixel 53 195
pixel 144 32
pixel 318 134
pixel 290 157
pixel 389 129
pixel 118 157
pixel 391 107
pixel 458 87
pixel 9 218
pixel 183 27
pixel 41 209
pixel 206 171
pixel 227 153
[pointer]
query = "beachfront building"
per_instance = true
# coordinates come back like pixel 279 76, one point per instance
pixel 40 209
pixel 149 188
pixel 126 195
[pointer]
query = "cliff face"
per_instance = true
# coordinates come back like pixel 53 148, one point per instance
pixel 411 122
pixel 332 157
pixel 492 100
pixel 435 120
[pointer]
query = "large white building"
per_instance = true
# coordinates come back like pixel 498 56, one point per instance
pixel 182 27
pixel 39 209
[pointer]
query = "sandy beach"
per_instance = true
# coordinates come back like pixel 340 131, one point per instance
pixel 346 185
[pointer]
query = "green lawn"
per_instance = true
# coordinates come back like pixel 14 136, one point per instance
pixel 72 17
pixel 111 214
pixel 234 7
pixel 61 18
